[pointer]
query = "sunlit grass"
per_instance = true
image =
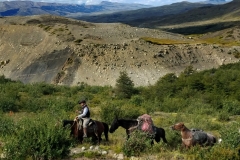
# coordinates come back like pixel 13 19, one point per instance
pixel 163 41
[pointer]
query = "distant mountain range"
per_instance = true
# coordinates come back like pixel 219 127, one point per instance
pixel 28 8
pixel 137 17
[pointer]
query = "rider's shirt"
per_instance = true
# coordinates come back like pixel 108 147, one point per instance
pixel 85 113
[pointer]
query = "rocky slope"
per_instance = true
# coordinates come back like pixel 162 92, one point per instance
pixel 64 51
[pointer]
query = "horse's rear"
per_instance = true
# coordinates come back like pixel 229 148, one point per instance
pixel 160 133
pixel 203 138
pixel 99 130
pixel 106 130
pixel 211 139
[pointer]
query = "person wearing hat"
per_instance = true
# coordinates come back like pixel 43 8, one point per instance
pixel 85 115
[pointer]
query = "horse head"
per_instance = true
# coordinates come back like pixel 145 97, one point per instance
pixel 114 125
pixel 178 126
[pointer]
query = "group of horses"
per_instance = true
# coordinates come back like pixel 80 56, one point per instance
pixel 190 137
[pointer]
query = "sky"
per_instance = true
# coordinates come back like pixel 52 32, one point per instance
pixel 147 2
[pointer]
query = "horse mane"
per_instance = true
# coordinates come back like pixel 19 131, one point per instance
pixel 128 120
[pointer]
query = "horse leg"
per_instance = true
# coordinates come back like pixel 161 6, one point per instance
pixel 163 135
pixel 80 138
pixel 152 142
pixel 98 135
pixel 157 138
pixel 99 138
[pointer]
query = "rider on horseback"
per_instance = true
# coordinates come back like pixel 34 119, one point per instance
pixel 85 115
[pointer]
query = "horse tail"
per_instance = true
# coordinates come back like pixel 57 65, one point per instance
pixel 214 140
pixel 106 130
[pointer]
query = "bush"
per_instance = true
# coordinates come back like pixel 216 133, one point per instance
pixel 124 86
pixel 4 80
pixel 137 100
pixel 7 126
pixel 222 153
pixel 127 111
pixel 39 138
pixel 231 107
pixel 173 104
pixel 230 135
pixel 223 116
pixel 109 111
pixel 137 143
pixel 7 103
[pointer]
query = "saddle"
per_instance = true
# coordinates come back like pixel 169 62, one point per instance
pixel 200 137
pixel 91 125
pixel 145 124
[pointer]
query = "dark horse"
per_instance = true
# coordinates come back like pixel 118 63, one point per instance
pixel 128 123
pixel 95 133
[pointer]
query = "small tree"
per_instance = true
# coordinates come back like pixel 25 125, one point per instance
pixel 124 86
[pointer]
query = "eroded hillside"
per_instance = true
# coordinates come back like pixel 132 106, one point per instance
pixel 65 51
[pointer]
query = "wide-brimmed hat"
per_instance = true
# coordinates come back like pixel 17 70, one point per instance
pixel 81 101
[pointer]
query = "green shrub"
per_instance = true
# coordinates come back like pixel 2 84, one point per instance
pixel 7 126
pixel 7 104
pixel 231 107
pixel 39 138
pixel 109 111
pixel 173 104
pixel 230 135
pixel 174 138
pixel 223 116
pixel 223 153
pixel 137 100
pixel 137 143
pixel 196 106
pixel 129 111
pixel 124 86
pixel 4 80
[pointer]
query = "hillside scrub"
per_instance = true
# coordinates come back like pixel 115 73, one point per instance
pixel 208 100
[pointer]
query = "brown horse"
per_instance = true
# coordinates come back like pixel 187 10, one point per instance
pixel 94 130
pixel 192 137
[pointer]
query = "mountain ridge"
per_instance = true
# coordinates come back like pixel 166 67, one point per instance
pixel 66 51
pixel 28 8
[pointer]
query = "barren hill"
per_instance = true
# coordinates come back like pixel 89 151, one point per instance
pixel 59 50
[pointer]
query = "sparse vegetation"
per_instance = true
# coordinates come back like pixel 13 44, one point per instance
pixel 78 41
pixel 47 28
pixel 162 41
